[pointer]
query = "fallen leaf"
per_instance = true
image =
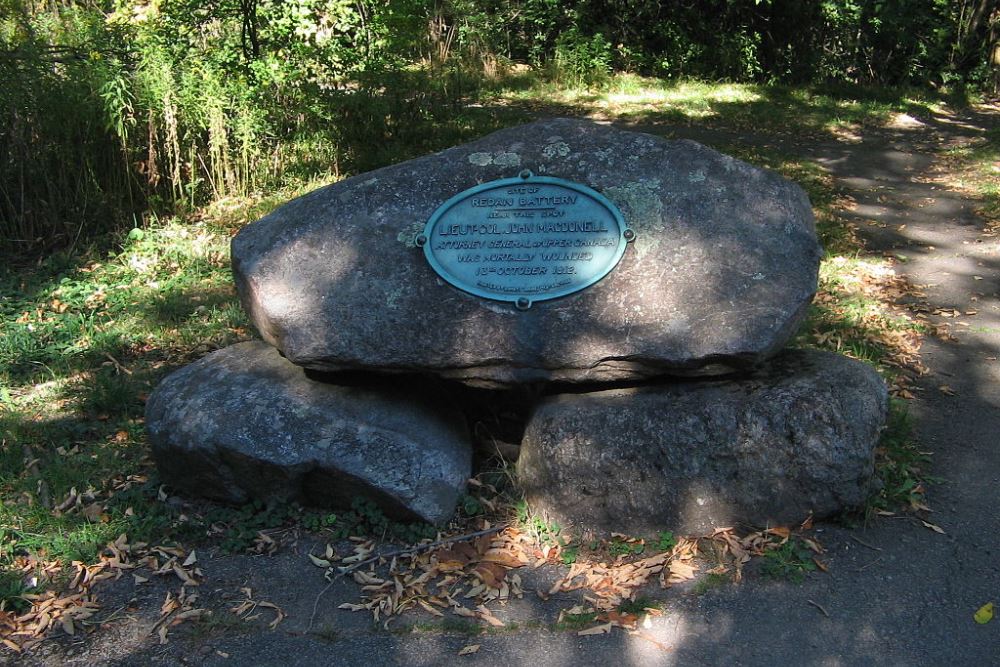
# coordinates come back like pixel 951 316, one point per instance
pixel 190 560
pixel 780 531
pixel 468 650
pixel 464 611
pixel 945 389
pixel 319 562
pixel 985 614
pixel 601 629
pixel 488 616
pixel 936 529
pixel 429 609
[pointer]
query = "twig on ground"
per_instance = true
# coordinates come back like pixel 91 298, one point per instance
pixel 343 571
pixel 865 544
pixel 820 607
pixel 118 365
pixel 865 567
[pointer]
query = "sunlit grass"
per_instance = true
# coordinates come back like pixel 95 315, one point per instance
pixel 974 168
pixel 747 107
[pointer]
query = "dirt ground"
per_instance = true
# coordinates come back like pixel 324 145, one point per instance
pixel 896 592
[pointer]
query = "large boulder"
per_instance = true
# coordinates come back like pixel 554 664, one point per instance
pixel 797 438
pixel 244 423
pixel 719 277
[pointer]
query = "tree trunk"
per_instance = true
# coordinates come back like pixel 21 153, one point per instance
pixel 993 49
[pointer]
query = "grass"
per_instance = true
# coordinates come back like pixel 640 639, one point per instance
pixel 85 337
pixel 792 560
pixel 710 582
pixel 779 110
pixel 974 168
pixel 901 465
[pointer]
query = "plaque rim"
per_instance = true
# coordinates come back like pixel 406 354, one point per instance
pixel 625 236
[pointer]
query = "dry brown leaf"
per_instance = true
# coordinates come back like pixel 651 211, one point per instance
pixel 602 629
pixel 429 609
pixel 468 650
pixel 781 531
pixel 682 570
pixel 488 616
pixel 505 558
pixel 93 512
pixel 491 574
pixel 183 575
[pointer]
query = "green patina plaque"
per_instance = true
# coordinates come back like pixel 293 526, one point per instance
pixel 525 239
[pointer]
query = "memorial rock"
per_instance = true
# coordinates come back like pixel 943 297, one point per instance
pixel 721 270
pixel 243 423
pixel 795 439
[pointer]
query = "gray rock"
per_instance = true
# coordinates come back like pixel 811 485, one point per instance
pixel 794 439
pixel 719 277
pixel 244 423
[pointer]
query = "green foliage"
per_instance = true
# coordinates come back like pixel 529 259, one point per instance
pixel 582 59
pixel 107 112
pixel 470 506
pixel 709 582
pixel 579 621
pixel 622 547
pixel 365 518
pixel 665 541
pixel 317 521
pixel 12 592
pixel 639 605
pixel 240 526
pixel 900 465
pixel 546 532
pixel 789 561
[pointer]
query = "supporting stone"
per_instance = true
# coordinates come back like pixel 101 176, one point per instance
pixel 794 439
pixel 244 423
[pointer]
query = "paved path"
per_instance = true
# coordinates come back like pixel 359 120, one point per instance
pixel 896 594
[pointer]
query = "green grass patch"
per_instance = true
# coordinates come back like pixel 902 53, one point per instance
pixel 791 561
pixel 83 341
pixel 639 605
pixel 900 465
pixel 575 622
pixel 710 582
pixel 815 111
pixel 975 168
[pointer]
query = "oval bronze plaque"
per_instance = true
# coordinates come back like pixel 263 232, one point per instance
pixel 525 239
